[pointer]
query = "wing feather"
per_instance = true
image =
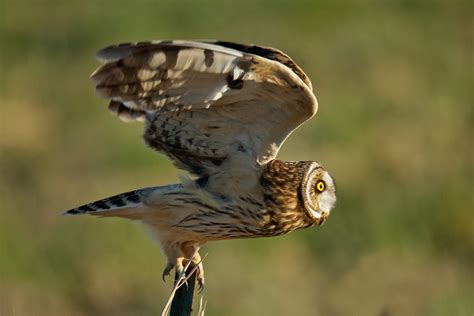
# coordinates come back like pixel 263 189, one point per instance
pixel 205 103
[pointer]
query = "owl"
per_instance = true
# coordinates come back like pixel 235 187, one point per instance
pixel 220 111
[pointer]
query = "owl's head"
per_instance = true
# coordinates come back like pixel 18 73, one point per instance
pixel 318 192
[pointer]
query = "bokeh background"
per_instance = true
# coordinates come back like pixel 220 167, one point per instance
pixel 395 126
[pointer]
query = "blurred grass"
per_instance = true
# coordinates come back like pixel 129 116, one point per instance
pixel 395 125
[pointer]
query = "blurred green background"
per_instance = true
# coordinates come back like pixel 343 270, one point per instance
pixel 394 128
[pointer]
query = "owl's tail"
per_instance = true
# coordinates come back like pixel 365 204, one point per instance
pixel 126 204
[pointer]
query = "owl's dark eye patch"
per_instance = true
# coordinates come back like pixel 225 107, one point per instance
pixel 320 186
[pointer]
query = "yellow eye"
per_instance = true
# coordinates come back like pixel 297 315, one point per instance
pixel 320 186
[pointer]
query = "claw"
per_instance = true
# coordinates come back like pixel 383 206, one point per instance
pixel 167 270
pixel 199 274
pixel 200 282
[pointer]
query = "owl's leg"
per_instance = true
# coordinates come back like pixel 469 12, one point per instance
pixel 175 260
pixel 197 260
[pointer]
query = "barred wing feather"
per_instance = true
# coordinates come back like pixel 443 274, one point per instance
pixel 203 102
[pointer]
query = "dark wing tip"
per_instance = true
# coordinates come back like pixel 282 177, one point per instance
pixel 268 53
pixel 113 52
pixel 119 51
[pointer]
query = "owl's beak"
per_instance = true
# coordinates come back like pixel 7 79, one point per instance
pixel 323 216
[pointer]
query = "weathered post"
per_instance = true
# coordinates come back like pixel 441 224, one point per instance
pixel 183 299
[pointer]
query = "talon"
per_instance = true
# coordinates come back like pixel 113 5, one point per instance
pixel 167 270
pixel 200 282
pixel 200 277
pixel 199 272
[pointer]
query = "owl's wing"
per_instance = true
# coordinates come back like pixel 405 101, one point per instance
pixel 207 102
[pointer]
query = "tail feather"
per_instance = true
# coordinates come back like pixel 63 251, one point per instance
pixel 119 202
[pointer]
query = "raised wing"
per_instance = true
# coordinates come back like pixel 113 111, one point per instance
pixel 205 103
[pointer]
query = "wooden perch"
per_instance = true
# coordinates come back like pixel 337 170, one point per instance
pixel 183 299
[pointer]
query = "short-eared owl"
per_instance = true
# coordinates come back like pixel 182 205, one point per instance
pixel 221 111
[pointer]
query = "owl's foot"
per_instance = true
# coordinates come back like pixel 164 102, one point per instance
pixel 199 272
pixel 200 281
pixel 178 265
